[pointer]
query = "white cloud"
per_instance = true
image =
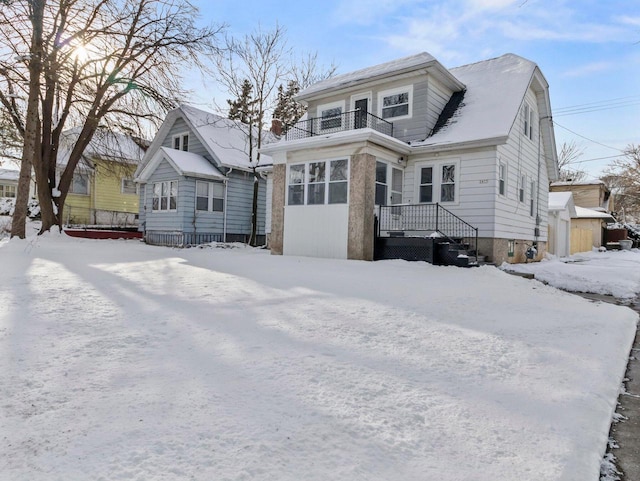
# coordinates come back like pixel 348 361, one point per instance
pixel 459 29
pixel 589 69
pixel 627 20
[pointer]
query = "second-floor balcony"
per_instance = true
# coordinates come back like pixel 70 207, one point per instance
pixel 352 120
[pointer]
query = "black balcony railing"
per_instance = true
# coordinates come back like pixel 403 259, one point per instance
pixel 354 119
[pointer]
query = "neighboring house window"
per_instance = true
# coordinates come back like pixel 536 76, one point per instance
pixel 523 181
pixel 502 178
pixel 209 196
pixel 309 183
pixel 448 184
pixel 129 186
pixel 79 184
pixel 331 115
pixel 165 195
pixel 396 103
pixel 528 121
pixel 426 184
pixel 381 183
pixel 532 200
pixel 7 191
pixel 181 142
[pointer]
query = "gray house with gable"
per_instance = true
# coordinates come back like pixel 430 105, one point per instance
pixel 393 156
pixel 197 181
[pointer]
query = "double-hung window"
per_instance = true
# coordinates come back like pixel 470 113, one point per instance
pixel 438 183
pixel 318 183
pixel 7 191
pixel 426 185
pixel 528 121
pixel 331 116
pixel 502 178
pixel 209 196
pixel 523 181
pixel 532 199
pixel 448 183
pixel 181 142
pixel 128 186
pixel 80 184
pixel 396 103
pixel 165 195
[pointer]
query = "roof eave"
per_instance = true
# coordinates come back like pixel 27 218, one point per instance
pixel 470 144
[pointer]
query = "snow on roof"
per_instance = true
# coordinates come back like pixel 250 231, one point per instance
pixel 495 90
pixel 570 182
pixel 190 164
pixel 9 174
pixel 559 200
pixel 584 213
pixel 226 139
pixel 105 144
pixel 369 73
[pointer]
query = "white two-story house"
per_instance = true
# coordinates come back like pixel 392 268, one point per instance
pixel 411 150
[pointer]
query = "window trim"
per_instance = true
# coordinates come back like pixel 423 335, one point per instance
pixel 135 184
pixel 503 178
pixel 522 192
pixel 80 174
pixel 327 181
pixel 436 180
pixel 210 197
pixel 388 93
pixel 153 196
pixel 4 188
pixel 181 141
pixel 332 105
pixel 528 114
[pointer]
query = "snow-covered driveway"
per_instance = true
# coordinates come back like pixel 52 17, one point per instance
pixel 125 361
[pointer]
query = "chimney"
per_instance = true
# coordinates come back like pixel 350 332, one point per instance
pixel 276 127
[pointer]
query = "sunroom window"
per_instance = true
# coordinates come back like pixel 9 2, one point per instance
pixel 381 183
pixel 309 183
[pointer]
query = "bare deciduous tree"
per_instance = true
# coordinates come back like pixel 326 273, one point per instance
pixel 264 59
pixel 567 157
pixel 86 64
pixel 623 179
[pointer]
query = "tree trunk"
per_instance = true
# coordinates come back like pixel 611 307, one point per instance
pixel 31 149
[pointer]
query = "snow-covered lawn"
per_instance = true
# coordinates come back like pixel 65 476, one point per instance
pixel 124 361
pixel 615 273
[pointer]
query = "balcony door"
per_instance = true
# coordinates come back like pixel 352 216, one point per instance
pixel 360 114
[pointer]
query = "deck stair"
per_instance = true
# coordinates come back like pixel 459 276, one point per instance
pixel 426 232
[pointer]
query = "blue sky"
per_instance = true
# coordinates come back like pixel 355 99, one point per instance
pixel 589 50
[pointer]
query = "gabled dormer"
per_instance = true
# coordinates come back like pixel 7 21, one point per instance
pixel 401 99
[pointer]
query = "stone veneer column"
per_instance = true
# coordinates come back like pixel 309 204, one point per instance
pixel 362 190
pixel 277 209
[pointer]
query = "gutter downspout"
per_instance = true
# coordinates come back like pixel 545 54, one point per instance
pixel 224 217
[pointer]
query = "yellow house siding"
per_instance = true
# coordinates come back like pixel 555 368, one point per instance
pixel 107 192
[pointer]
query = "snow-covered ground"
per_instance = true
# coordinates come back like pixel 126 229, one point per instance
pixel 614 273
pixel 125 361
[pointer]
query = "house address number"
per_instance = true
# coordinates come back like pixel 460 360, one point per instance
pixel 484 181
